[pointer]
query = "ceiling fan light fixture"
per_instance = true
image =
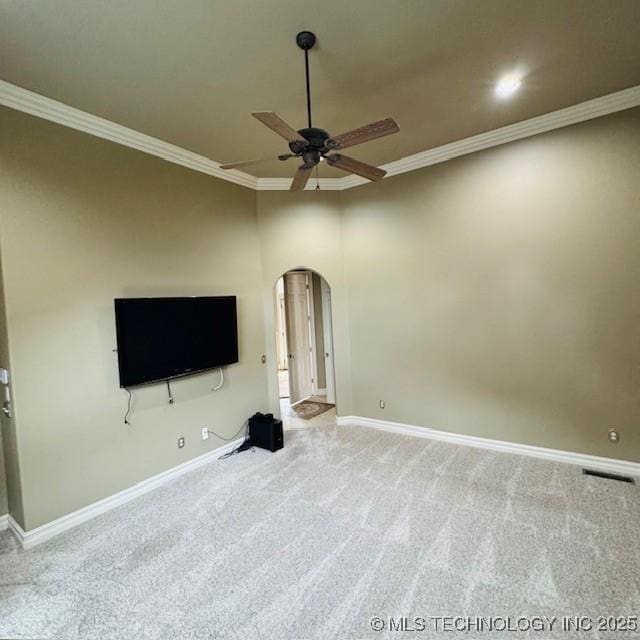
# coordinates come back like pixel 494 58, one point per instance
pixel 508 85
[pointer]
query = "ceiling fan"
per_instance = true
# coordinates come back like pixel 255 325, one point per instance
pixel 313 145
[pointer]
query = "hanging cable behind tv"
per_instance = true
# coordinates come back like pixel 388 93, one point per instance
pixel 217 387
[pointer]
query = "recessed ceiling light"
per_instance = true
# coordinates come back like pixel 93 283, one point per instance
pixel 508 85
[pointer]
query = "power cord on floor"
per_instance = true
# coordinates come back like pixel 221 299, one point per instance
pixel 246 443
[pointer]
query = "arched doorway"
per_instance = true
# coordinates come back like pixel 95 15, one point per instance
pixel 304 348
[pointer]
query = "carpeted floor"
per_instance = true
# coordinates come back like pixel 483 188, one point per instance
pixel 344 524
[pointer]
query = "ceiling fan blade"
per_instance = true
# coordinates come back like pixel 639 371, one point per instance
pixel 243 163
pixel 300 179
pixel 355 166
pixel 370 131
pixel 277 124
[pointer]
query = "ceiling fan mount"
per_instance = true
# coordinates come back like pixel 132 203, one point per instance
pixel 312 144
pixel 305 40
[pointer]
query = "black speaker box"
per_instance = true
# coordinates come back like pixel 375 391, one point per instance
pixel 266 432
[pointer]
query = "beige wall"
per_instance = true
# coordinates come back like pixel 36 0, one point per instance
pixel 319 331
pixel 493 295
pixel 85 221
pixel 4 501
pixel 4 504
pixel 10 484
pixel 304 230
pixel 498 294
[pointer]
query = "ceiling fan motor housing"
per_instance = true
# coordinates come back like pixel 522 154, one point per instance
pixel 316 139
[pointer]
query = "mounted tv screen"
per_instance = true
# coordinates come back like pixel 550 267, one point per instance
pixel 163 338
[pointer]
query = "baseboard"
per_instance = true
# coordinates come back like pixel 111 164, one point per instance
pixel 16 530
pixel 321 392
pixel 4 522
pixel 47 531
pixel 611 465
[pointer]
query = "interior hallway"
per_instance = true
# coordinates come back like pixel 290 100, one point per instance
pixel 291 420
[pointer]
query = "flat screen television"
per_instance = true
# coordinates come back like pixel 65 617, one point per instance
pixel 163 338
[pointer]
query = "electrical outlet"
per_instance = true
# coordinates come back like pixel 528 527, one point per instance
pixel 382 404
pixel 205 433
pixel 180 443
pixel 614 436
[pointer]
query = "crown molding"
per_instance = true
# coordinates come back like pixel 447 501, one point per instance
pixel 35 104
pixel 282 184
pixel 42 107
pixel 602 106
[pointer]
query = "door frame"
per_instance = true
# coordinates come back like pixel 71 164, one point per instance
pixel 312 334
pixel 309 271
pixel 306 336
pixel 282 362
pixel 327 329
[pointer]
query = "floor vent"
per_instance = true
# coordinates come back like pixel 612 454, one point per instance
pixel 608 476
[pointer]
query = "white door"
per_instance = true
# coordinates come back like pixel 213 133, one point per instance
pixel 327 328
pixel 281 339
pixel 296 296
